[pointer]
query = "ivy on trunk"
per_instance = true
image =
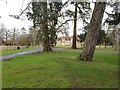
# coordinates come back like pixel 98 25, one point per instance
pixel 46 39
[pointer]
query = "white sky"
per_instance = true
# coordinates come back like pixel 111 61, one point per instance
pixel 12 7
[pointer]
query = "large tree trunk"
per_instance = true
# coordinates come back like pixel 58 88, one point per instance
pixel 46 41
pixel 105 45
pixel 91 38
pixel 6 37
pixel 116 39
pixel 74 30
pixel 14 38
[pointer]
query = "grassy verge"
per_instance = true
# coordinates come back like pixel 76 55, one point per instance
pixel 6 52
pixel 61 69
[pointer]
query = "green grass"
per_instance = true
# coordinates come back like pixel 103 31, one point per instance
pixel 0 74
pixel 61 69
pixel 6 52
pixel 108 48
pixel 62 46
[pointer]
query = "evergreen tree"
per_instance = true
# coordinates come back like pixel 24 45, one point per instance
pixel 45 16
pixel 81 11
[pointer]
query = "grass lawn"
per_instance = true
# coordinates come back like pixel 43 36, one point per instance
pixel 62 46
pixel 6 52
pixel 61 69
pixel 0 74
pixel 108 48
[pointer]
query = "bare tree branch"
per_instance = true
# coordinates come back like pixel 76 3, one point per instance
pixel 25 9
pixel 64 23
pixel 65 3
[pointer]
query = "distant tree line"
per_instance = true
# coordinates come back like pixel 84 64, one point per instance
pixel 16 37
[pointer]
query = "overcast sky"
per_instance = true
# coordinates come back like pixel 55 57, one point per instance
pixel 13 7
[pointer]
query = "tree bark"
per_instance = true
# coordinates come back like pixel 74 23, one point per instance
pixel 116 39
pixel 46 41
pixel 105 45
pixel 6 37
pixel 14 38
pixel 91 38
pixel 74 30
pixel 100 45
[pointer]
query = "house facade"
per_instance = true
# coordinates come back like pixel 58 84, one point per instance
pixel 66 41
